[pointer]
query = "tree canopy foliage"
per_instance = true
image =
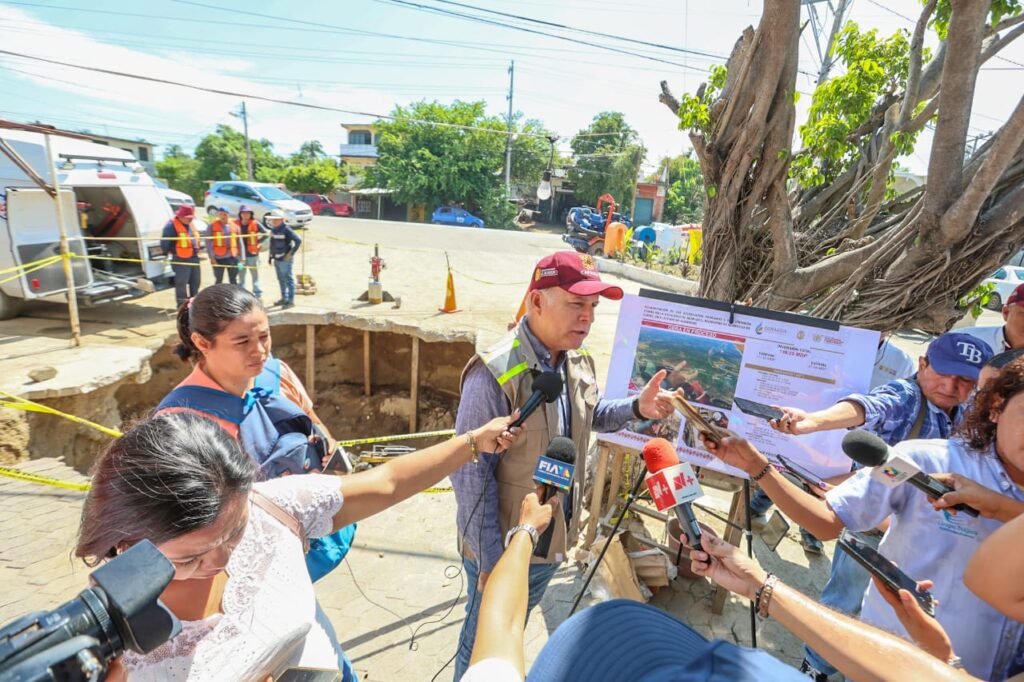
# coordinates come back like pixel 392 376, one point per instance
pixel 608 156
pixel 442 164
pixel 819 229
pixel 221 156
pixel 685 198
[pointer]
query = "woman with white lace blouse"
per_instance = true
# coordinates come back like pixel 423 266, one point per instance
pixel 241 588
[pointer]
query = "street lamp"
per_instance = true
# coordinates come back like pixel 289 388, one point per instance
pixel 544 188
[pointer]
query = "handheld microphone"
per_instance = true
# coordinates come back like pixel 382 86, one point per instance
pixel 673 485
pixel 554 471
pixel 546 388
pixel 891 469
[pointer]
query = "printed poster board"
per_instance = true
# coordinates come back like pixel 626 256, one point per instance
pixel 716 352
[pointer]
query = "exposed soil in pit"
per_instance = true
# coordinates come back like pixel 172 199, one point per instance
pixel 338 395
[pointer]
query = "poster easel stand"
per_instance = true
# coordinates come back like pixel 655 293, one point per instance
pixel 736 525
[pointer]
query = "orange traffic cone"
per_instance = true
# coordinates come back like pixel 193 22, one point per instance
pixel 449 296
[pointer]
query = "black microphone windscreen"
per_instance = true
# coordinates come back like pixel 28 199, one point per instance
pixel 550 384
pixel 562 449
pixel 865 448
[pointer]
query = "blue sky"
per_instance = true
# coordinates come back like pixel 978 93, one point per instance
pixel 325 53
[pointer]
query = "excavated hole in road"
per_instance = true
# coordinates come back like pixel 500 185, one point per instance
pixel 339 398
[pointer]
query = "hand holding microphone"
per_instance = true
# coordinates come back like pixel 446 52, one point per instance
pixel 554 472
pixel 891 469
pixel 673 485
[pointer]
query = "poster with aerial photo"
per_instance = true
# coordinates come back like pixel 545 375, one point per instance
pixel 715 353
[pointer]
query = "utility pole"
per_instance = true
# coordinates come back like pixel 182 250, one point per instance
pixel 508 142
pixel 249 148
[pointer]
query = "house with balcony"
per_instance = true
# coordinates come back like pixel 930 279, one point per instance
pixel 360 148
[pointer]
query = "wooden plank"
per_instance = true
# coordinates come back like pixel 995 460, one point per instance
pixel 311 361
pixel 737 516
pixel 414 385
pixel 367 390
pixel 618 455
pixel 597 495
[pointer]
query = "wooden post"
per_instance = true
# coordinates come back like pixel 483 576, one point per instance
pixel 618 455
pixel 65 249
pixel 597 495
pixel 311 361
pixel 366 363
pixel 414 384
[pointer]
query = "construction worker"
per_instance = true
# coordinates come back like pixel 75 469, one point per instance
pixel 222 245
pixel 180 241
pixel 283 245
pixel 252 233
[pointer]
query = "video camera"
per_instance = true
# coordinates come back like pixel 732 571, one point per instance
pixel 78 640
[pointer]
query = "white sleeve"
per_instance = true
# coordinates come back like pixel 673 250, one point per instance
pixel 313 499
pixel 491 670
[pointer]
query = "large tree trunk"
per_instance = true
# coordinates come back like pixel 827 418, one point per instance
pixel 844 251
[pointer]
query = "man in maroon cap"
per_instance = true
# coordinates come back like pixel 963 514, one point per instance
pixel 565 288
pixel 180 241
pixel 1009 336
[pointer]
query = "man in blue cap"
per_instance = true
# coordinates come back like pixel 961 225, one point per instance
pixel 929 404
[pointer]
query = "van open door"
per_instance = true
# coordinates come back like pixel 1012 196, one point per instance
pixel 33 234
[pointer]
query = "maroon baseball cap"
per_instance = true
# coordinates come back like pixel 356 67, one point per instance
pixel 1017 296
pixel 574 272
pixel 185 211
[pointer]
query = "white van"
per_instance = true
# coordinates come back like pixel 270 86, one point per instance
pixel 113 213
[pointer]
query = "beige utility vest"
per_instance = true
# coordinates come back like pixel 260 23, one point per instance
pixel 514 365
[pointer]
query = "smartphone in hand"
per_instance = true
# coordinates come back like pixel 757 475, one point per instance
pixel 883 569
pixel 756 409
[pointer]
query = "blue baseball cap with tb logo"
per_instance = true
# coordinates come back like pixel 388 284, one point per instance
pixel 958 354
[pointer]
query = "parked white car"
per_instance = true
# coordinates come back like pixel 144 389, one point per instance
pixel 1006 279
pixel 261 197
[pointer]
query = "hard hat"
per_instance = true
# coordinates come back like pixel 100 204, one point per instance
pixel 273 215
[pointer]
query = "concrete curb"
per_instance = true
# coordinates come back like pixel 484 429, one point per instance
pixel 658 280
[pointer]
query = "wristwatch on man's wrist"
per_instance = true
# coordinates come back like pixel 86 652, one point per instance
pixel 522 526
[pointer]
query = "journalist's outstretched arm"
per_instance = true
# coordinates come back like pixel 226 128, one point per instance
pixel 806 510
pixel 368 492
pixel 1001 555
pixel 858 650
pixel 501 624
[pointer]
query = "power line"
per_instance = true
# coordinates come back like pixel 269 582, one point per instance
pixel 612 36
pixel 301 56
pixel 261 98
pixel 483 20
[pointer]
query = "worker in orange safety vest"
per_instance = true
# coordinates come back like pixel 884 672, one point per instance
pixel 180 241
pixel 252 234
pixel 222 245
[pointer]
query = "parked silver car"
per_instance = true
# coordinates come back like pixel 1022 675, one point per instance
pixel 261 197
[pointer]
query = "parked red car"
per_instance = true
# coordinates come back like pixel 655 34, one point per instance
pixel 321 205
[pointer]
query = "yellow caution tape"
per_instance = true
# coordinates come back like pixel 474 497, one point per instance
pixel 30 267
pixel 47 260
pixel 434 491
pixel 158 260
pixel 42 480
pixel 403 436
pixel 19 403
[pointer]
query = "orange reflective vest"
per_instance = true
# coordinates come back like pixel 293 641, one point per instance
pixel 224 239
pixel 185 243
pixel 252 237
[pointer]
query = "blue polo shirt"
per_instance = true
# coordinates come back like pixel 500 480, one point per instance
pixel 927 544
